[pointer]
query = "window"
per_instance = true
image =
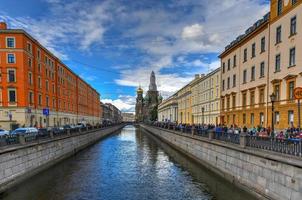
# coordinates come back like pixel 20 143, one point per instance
pixel 29 49
pixel 293 26
pixel 253 50
pixel 30 78
pixel 253 73
pixel 46 85
pixel 294 2
pixel 40 100
pixel 261 95
pixel 10 42
pixel 31 97
pixel 277 91
pixel 39 54
pixel 29 62
pixel 244 76
pixel 229 64
pixel 278 34
pixel 39 82
pixel 279 7
pixel 222 103
pixel 252 98
pixel 11 73
pixel 229 82
pixel 291 87
pixel 261 118
pixel 12 95
pixel 223 67
pixel 252 119
pixel 278 63
pixel 290 117
pixel 234 80
pixel 47 101
pixel 222 85
pixel 244 118
pixel 11 58
pixel 262 69
pixel 263 44
pixel 245 55
pixel 244 99
pixel 292 57
pixel 234 61
pixel 277 117
pixel 228 103
pixel 234 101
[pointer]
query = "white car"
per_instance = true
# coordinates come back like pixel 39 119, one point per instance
pixel 24 131
pixel 4 132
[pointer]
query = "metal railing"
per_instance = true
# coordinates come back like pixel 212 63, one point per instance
pixel 227 137
pixel 286 146
pixel 291 146
pixel 10 140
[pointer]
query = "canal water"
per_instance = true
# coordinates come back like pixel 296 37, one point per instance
pixel 129 165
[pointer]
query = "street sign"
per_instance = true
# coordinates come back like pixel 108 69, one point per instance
pixel 298 93
pixel 46 111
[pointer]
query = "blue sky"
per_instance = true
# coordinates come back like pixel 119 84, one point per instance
pixel 115 44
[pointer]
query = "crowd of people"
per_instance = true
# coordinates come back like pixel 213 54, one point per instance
pixel 291 132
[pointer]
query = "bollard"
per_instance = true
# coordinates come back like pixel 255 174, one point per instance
pixel 51 134
pixel 242 139
pixel 193 130
pixel 174 128
pixel 21 139
pixel 211 134
pixel 68 131
pixel 87 128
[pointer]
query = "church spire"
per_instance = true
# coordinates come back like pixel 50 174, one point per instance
pixel 152 85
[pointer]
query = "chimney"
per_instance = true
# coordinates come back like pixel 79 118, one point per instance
pixel 3 26
pixel 196 76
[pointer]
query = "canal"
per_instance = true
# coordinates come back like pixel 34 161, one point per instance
pixel 128 165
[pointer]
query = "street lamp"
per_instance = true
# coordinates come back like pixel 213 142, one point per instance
pixel 273 99
pixel 202 110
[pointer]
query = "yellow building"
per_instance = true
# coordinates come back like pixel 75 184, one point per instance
pixel 206 98
pixel 168 109
pixel 184 104
pixel 261 62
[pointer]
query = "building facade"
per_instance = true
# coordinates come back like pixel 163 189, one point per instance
pixel 128 117
pixel 168 110
pixel 37 89
pixel 206 98
pixel 261 62
pixel 110 114
pixel 184 100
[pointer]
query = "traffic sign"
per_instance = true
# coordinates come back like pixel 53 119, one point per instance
pixel 46 111
pixel 298 93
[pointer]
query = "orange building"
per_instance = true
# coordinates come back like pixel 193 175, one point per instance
pixel 33 79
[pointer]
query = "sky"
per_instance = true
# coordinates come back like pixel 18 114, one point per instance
pixel 115 44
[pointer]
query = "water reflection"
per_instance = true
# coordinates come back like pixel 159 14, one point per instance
pixel 131 164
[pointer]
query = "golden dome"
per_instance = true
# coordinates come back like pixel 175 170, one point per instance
pixel 139 90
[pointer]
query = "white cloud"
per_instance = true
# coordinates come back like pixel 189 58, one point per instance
pixel 192 32
pixel 124 103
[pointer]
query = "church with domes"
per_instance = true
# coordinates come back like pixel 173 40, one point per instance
pixel 146 107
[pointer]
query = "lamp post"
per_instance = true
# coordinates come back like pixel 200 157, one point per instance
pixel 202 110
pixel 273 99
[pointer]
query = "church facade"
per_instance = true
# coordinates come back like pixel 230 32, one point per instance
pixel 146 107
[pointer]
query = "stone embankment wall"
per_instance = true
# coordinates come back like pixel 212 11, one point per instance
pixel 267 175
pixel 20 162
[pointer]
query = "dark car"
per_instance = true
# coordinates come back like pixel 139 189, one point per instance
pixel 57 130
pixel 43 132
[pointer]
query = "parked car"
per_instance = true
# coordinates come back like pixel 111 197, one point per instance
pixel 3 132
pixel 80 125
pixel 43 131
pixel 24 131
pixel 67 127
pixel 57 130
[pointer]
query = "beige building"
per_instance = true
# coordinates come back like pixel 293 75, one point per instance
pixel 184 104
pixel 168 109
pixel 206 98
pixel 261 62
pixel 128 117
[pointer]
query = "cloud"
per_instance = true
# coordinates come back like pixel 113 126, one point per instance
pixel 193 31
pixel 124 103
